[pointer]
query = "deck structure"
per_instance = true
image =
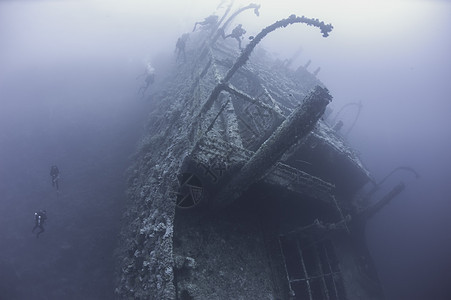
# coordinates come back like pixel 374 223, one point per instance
pixel 240 189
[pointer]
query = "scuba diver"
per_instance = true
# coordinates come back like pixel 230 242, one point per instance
pixel 54 173
pixel 207 23
pixel 237 33
pixel 180 46
pixel 39 219
pixel 149 79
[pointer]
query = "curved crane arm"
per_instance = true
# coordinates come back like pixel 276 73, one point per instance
pixel 325 29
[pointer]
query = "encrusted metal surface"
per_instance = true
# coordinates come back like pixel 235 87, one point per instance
pixel 300 182
pixel 215 116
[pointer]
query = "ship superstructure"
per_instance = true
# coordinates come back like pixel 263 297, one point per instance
pixel 242 189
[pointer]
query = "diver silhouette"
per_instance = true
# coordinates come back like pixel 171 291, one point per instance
pixel 54 173
pixel 39 220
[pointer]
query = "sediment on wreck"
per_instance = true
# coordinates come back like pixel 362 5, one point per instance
pixel 145 255
pixel 240 190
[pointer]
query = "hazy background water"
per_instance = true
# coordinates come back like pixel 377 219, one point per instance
pixel 68 96
pixel 58 114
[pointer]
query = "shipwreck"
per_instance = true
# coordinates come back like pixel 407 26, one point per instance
pixel 242 188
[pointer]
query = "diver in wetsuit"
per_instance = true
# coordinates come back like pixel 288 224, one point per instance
pixel 180 46
pixel 237 33
pixel 39 219
pixel 148 79
pixel 54 173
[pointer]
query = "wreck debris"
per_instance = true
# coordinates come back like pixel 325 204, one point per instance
pixel 190 191
pixel 289 62
pixel 377 185
pixel 337 127
pixel 372 210
pixel 316 272
pixel 315 73
pixel 295 127
pixel 359 109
